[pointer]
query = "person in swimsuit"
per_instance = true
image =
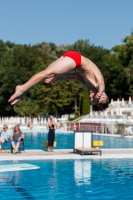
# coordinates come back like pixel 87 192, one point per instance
pixel 87 74
pixel 51 134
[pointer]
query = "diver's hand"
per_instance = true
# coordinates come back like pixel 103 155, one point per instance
pixel 51 80
pixel 98 95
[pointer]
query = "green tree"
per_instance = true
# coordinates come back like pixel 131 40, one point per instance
pixel 85 103
pixel 124 53
pixel 114 77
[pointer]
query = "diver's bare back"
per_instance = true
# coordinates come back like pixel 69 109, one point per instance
pixel 90 72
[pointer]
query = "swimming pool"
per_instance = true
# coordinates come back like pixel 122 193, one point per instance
pixel 34 140
pixel 92 179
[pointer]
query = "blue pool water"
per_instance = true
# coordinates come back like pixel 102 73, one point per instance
pixel 97 179
pixel 34 140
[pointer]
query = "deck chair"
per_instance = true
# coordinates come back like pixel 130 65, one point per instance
pixel 3 144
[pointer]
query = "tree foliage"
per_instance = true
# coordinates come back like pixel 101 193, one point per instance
pixel 85 103
pixel 19 62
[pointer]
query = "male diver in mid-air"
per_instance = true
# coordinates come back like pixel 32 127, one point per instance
pixel 88 75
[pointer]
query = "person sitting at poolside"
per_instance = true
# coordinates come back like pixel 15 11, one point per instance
pixel 68 125
pixel 16 138
pixel 4 135
pixel 29 124
pixel 88 74
pixel 58 124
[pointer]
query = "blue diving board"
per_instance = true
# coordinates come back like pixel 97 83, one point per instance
pixel 17 167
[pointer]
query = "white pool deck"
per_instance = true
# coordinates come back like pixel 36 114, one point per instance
pixel 63 154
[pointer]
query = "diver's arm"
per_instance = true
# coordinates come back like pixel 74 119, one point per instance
pixel 68 76
pixel 101 88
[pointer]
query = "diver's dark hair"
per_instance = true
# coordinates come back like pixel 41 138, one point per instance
pixel 100 106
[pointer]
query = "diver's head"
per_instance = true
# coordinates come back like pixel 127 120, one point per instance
pixel 99 104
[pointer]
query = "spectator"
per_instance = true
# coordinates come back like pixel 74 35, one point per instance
pixel 68 125
pixel 29 125
pixel 74 127
pixel 52 125
pixel 58 124
pixel 4 135
pixel 16 138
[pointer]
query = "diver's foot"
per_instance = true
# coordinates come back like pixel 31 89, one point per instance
pixel 17 95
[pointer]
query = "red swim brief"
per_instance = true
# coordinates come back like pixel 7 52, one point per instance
pixel 75 56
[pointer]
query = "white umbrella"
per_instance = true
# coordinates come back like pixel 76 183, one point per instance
pixel 111 101
pixel 123 102
pixel 130 101
pixel 42 121
pixel 118 102
pixel 45 121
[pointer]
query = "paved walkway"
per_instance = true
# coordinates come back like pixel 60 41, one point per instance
pixel 65 154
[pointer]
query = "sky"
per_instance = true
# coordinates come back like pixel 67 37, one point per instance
pixel 103 22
